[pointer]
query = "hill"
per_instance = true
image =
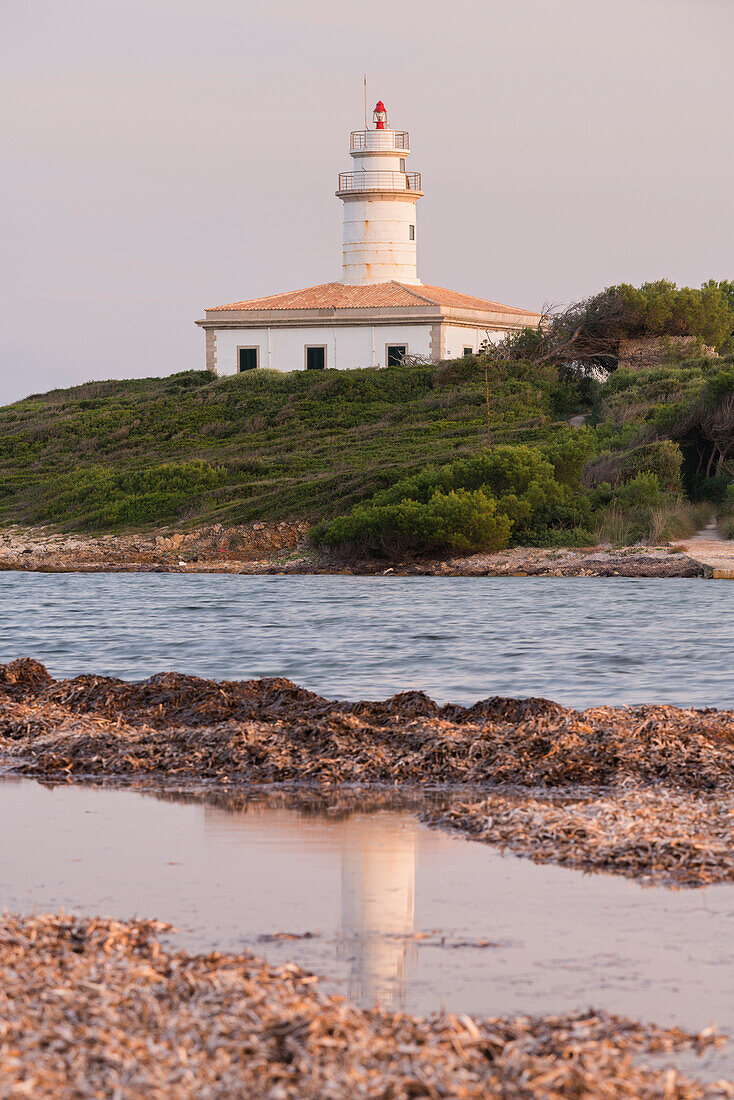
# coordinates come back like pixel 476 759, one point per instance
pixel 191 448
pixel 385 461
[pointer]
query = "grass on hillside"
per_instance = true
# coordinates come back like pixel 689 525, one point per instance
pixel 194 449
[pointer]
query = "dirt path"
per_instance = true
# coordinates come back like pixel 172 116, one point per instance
pixel 711 551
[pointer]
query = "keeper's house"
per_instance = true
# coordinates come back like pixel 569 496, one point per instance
pixel 380 312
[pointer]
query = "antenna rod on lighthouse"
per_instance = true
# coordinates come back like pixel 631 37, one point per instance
pixel 365 101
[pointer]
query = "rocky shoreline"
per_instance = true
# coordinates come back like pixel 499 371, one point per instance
pixel 282 548
pixel 646 791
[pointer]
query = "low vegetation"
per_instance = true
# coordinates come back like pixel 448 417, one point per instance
pixel 590 332
pixel 530 494
pixel 404 459
pixel 655 460
pixel 257 446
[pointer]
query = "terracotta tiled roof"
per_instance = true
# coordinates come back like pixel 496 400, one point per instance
pixel 341 296
pixel 467 301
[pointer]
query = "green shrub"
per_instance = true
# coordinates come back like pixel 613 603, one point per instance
pixel 652 397
pixel 661 308
pixel 726 526
pixel 713 489
pixel 519 482
pixel 671 518
pixel 642 492
pixel 569 450
pixel 587 334
pixel 458 520
pixel 726 513
pixel 643 511
pixel 662 458
pixel 265 445
pixel 718 387
pixel 676 520
pixel 308 444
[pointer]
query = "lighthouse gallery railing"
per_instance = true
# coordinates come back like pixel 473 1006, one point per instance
pixel 379 181
pixel 378 139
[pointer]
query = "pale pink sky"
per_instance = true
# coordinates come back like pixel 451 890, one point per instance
pixel 161 156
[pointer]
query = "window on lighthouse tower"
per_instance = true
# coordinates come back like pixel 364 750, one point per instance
pixel 411 232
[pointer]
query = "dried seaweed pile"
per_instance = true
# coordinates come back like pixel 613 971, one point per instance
pixel 654 769
pixel 267 731
pixel 96 1008
pixel 653 835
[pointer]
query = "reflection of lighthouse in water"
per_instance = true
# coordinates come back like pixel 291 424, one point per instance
pixel 378 894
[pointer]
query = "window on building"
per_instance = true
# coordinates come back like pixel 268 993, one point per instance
pixel 411 230
pixel 402 164
pixel 395 354
pixel 248 358
pixel 316 357
pixel 468 351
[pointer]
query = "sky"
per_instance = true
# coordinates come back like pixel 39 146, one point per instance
pixel 163 156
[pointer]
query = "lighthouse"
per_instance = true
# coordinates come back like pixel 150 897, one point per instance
pixel 379 313
pixel 380 198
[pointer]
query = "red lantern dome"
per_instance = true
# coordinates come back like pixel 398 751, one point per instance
pixel 379 116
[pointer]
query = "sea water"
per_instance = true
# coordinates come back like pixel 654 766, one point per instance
pixel 578 640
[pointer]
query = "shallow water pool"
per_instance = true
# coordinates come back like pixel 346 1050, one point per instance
pixel 387 909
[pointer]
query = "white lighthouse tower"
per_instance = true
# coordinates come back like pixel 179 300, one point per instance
pixel 379 314
pixel 379 196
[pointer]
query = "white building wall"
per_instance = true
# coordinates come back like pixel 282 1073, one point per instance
pixel 347 346
pixel 458 337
